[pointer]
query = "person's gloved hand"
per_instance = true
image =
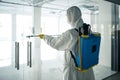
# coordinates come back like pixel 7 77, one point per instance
pixel 41 36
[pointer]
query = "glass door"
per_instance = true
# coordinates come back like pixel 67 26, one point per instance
pixel 24 28
pixel 29 52
pixel 19 59
pixel 13 46
pixel 7 65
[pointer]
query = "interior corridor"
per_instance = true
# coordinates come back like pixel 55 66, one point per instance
pixel 23 58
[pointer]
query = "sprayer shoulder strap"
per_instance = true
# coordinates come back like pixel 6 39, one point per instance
pixel 73 57
pixel 76 30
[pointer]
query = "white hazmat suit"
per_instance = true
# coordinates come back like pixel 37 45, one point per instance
pixel 67 42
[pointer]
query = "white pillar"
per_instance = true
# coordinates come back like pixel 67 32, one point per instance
pixel 37 53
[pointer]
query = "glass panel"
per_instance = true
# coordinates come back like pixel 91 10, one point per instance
pixel 48 23
pixel 5 40
pixel 52 60
pixel 24 28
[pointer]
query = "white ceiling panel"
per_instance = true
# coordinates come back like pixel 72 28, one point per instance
pixel 50 3
pixel 58 5
pixel 62 5
pixel 25 2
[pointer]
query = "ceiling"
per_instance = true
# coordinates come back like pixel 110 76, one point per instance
pixel 47 3
pixel 59 6
pixel 26 2
pixel 56 5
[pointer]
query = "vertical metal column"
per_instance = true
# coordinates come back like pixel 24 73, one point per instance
pixel 17 55
pixel 29 54
pixel 115 40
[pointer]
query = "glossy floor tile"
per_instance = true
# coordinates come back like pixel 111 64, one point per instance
pixel 51 71
pixel 102 71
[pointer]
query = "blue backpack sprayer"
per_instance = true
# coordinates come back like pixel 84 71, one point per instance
pixel 87 55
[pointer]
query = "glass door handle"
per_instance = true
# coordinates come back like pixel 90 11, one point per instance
pixel 17 55
pixel 29 36
pixel 29 54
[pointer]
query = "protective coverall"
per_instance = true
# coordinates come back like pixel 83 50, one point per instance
pixel 67 42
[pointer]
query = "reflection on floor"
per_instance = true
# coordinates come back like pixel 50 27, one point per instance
pixel 102 71
pixel 52 70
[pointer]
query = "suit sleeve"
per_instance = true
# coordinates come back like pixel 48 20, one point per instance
pixel 60 43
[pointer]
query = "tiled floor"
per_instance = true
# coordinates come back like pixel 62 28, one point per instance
pixel 102 71
pixel 54 72
pixel 113 77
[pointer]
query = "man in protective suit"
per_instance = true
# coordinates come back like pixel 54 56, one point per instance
pixel 67 42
